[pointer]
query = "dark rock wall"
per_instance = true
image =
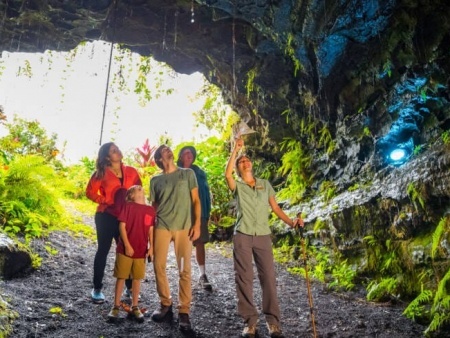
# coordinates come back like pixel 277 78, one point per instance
pixel 370 76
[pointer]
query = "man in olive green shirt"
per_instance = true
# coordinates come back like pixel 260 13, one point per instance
pixel 174 194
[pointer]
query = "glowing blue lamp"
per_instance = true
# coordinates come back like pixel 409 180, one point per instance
pixel 397 154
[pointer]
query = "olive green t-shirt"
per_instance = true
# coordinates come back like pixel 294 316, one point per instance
pixel 253 207
pixel 172 193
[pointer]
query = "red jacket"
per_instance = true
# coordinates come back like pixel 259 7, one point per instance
pixel 109 192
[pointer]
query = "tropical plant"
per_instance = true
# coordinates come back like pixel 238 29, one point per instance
pixel 296 165
pixel 28 138
pixel 29 202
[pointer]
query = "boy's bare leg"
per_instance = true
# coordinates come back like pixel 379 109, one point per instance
pixel 136 289
pixel 118 292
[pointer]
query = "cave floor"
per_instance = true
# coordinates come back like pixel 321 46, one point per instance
pixel 64 281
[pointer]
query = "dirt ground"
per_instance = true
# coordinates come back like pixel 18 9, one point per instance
pixel 64 280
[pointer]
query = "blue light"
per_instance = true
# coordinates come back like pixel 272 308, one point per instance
pixel 397 154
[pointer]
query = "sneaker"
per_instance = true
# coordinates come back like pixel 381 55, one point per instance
pixel 249 331
pixel 203 281
pixel 113 315
pixel 183 322
pixel 274 331
pixel 163 313
pixel 136 314
pixel 127 293
pixel 97 296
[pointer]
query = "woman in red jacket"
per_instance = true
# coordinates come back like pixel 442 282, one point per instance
pixel 107 187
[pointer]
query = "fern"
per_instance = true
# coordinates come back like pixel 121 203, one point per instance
pixel 379 290
pixel 440 310
pixel 437 235
pixel 295 164
pixel 416 308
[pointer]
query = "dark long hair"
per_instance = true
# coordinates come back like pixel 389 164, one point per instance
pixel 102 160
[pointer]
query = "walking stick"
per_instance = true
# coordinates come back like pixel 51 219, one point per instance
pixel 308 284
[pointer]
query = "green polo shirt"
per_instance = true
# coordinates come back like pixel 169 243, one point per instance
pixel 253 207
pixel 172 192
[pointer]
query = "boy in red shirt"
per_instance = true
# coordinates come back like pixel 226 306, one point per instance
pixel 135 245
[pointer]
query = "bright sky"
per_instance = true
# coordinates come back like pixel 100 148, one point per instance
pixel 68 100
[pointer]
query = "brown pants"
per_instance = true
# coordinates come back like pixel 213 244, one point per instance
pixel 183 252
pixel 259 248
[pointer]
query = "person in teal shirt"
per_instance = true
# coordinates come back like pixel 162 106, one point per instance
pixel 186 159
pixel 252 240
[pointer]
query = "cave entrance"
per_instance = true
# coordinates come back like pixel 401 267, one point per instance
pixel 65 93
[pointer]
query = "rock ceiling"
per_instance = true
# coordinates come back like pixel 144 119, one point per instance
pixel 369 73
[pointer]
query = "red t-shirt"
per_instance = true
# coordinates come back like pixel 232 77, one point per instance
pixel 138 219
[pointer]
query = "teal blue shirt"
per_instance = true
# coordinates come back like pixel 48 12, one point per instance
pixel 253 207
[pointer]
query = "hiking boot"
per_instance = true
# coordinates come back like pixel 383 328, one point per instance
pixel 136 314
pixel 249 331
pixel 274 331
pixel 97 296
pixel 113 315
pixel 183 322
pixel 205 284
pixel 163 313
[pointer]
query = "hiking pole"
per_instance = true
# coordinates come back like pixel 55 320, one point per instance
pixel 308 284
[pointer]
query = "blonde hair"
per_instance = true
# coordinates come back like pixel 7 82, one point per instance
pixel 131 192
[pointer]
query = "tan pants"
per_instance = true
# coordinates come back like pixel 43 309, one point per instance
pixel 183 252
pixel 258 248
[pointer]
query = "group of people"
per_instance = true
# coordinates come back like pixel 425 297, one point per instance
pixel 179 211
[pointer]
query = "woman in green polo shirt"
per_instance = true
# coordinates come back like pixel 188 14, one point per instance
pixel 252 239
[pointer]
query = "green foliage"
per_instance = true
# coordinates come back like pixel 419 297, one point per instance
pixel 326 140
pixel 434 304
pixel 380 290
pixel 282 251
pixel 295 164
pixel 50 250
pixel 319 225
pixel 328 190
pixel 441 230
pixel 417 308
pixel 417 149
pixel 140 86
pixel 214 113
pixel 446 137
pixel 322 263
pixel 387 68
pixel 382 256
pixel 343 276
pixel 416 194
pixel 250 84
pixel 28 138
pixel 32 183
pixel 8 316
pixel 25 70
pixel 58 311
pixel 29 199
pixel 76 177
pixel 290 51
pixel 440 309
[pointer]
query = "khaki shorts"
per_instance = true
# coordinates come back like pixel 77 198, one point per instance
pixel 204 231
pixel 126 267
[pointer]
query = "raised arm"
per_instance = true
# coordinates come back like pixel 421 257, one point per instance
pixel 230 165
